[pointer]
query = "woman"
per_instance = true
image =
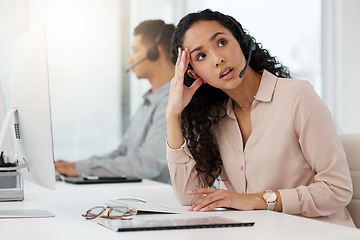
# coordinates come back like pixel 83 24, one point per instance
pixel 269 138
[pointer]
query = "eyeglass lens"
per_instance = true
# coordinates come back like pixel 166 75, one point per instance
pixel 94 212
pixel 116 212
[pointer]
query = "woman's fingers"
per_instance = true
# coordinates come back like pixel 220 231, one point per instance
pixel 180 95
pixel 209 206
pixel 179 57
pixel 211 199
pixel 201 191
pixel 214 198
pixel 182 62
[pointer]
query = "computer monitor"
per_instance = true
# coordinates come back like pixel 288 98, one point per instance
pixel 29 115
pixel 7 146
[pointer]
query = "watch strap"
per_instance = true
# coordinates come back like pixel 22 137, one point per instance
pixel 271 206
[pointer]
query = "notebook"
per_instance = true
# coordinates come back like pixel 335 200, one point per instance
pixel 139 204
pixel 170 224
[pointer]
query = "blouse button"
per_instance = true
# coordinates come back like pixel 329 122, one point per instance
pixel 242 168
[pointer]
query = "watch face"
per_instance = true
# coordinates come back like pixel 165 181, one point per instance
pixel 270 196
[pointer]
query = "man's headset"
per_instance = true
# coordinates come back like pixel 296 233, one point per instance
pixel 153 53
pixel 249 42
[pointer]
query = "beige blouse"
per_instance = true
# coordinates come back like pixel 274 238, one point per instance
pixel 293 148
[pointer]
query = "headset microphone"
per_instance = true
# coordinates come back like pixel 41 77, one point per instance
pixel 252 48
pixel 137 63
pixel 245 39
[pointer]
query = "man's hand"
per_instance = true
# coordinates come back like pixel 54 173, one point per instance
pixel 65 168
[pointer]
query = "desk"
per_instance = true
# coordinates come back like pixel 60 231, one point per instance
pixel 69 201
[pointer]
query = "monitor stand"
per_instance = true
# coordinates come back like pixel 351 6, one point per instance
pixel 11 189
pixel 11 186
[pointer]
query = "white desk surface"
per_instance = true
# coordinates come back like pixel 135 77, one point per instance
pixel 69 201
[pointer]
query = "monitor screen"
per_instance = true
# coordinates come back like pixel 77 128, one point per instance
pixel 30 127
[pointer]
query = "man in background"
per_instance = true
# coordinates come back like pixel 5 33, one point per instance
pixel 142 152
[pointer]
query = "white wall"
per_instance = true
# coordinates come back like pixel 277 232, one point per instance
pixel 341 51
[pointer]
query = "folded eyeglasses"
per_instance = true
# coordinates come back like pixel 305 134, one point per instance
pixel 116 212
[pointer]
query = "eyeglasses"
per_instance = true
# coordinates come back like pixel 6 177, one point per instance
pixel 117 212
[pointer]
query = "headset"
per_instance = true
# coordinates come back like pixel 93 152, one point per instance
pixel 153 53
pixel 249 42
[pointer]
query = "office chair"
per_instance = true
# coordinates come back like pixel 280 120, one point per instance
pixel 351 144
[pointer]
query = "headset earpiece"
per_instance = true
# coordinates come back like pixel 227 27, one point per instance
pixel 249 42
pixel 153 53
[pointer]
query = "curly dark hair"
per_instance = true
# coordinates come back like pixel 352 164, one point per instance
pixel 207 106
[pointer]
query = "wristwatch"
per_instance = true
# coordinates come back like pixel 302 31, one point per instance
pixel 270 199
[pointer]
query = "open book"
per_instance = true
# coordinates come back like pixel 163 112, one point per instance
pixel 141 205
